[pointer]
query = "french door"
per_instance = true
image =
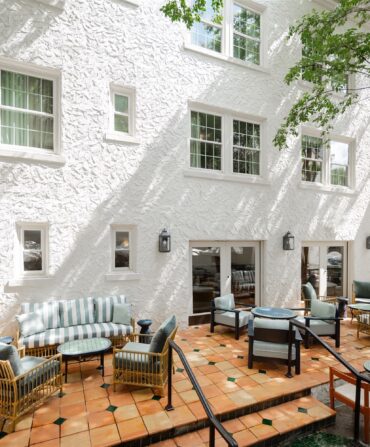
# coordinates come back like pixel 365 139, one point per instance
pixel 219 268
pixel 324 264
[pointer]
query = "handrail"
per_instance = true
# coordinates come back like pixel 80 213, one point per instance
pixel 215 424
pixel 359 377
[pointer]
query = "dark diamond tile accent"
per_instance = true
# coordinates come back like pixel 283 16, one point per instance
pixel 2 434
pixel 155 397
pixel 211 363
pixel 184 339
pixel 61 394
pixel 105 385
pixel 208 335
pixel 59 421
pixel 267 421
pixel 196 327
pixel 179 370
pixel 241 357
pixel 302 410
pixel 112 408
pixel 196 350
pixel 316 359
pixel 262 371
pixel 222 345
pixel 231 379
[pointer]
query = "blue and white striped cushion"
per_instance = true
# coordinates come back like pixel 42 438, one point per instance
pixel 63 334
pixel 49 312
pixel 104 307
pixel 74 312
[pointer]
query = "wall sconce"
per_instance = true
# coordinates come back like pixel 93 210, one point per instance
pixel 288 241
pixel 368 242
pixel 164 241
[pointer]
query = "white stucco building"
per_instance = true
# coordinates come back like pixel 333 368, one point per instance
pixel 116 123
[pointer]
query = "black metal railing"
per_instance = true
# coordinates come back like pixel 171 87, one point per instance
pixel 359 377
pixel 214 423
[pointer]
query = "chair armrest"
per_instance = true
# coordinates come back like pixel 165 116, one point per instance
pixel 140 354
pixel 135 337
pixel 249 306
pixel 56 357
pixel 250 328
pixel 323 318
pixel 227 310
pixel 299 309
pixel 298 336
pixel 21 351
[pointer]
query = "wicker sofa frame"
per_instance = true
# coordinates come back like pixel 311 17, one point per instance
pixel 13 403
pixel 145 369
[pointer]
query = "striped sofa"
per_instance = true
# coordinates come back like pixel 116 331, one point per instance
pixel 74 319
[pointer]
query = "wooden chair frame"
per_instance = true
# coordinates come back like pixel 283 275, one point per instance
pixel 13 403
pixel 236 328
pixel 364 409
pixel 362 325
pixel 50 350
pixel 145 369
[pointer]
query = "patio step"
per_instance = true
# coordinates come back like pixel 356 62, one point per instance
pixel 266 427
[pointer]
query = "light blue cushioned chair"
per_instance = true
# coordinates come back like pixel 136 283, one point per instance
pixel 361 292
pixel 324 321
pixel 269 339
pixel 309 294
pixel 223 312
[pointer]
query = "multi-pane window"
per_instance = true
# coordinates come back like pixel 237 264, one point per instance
pixel 312 158
pixel 246 147
pixel 32 249
pixel 27 111
pixel 326 161
pixel 207 33
pixel 339 163
pixel 121 249
pixel 246 34
pixel 206 141
pixel 121 113
pixel 238 35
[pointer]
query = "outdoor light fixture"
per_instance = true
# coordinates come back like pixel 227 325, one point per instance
pixel 164 241
pixel 288 241
pixel 368 242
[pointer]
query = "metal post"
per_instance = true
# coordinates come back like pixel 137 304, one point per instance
pixel 289 373
pixel 169 406
pixel 356 434
pixel 212 435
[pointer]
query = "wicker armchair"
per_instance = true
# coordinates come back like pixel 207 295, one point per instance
pixel 135 365
pixel 40 378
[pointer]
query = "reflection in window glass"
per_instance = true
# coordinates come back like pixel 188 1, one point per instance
pixel 206 33
pixel 243 274
pixel 339 160
pixel 246 145
pixel 32 250
pixel 122 250
pixel 312 158
pixel 247 29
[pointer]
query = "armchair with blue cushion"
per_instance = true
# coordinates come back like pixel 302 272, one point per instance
pixel 25 382
pixel 323 321
pixel 361 292
pixel 224 312
pixel 309 294
pixel 269 339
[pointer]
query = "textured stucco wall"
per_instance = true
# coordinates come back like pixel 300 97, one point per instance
pixel 95 42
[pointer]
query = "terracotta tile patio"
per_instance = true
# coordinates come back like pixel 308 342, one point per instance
pixel 90 414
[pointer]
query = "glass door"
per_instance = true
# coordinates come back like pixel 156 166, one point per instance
pixel 219 268
pixel 324 265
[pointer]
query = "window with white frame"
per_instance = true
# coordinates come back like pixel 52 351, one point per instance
pixel 326 161
pixel 220 142
pixel 238 36
pixel 122 119
pixel 28 109
pixel 32 249
pixel 123 248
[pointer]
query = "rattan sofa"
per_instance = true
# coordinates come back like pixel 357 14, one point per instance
pixel 71 320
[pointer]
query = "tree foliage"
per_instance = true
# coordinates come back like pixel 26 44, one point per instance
pixel 335 47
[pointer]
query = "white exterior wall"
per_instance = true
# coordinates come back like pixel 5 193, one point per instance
pixel 96 42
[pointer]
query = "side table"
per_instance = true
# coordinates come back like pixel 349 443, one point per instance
pixel 145 325
pixel 342 304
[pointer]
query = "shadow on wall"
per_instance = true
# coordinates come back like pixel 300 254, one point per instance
pixel 260 211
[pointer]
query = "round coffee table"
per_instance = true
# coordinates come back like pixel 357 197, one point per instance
pixel 274 313
pixel 84 348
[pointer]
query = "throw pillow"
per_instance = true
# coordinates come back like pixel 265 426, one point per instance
pixel 309 291
pixel 163 332
pixel 361 289
pixel 322 310
pixel 225 302
pixel 30 324
pixel 122 313
pixel 10 353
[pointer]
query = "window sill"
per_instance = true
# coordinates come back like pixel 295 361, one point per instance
pixel 19 153
pixel 28 281
pixel 118 276
pixel 116 137
pixel 131 2
pixel 223 57
pixel 320 187
pixel 209 175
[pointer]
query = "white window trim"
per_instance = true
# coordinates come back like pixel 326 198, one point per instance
pixel 227 40
pixel 116 136
pixel 123 273
pixel 20 274
pixel 9 151
pixel 325 185
pixel 226 173
pixel 59 4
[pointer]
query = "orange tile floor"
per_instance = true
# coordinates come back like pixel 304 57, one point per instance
pixel 91 414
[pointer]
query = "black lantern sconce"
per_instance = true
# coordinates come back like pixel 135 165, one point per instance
pixel 288 241
pixel 164 241
pixel 368 242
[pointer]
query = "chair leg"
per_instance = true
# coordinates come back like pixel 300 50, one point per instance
pixel 306 340
pixel 366 427
pixel 237 329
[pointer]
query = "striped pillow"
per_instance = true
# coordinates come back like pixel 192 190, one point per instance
pixel 104 307
pixel 75 312
pixel 49 312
